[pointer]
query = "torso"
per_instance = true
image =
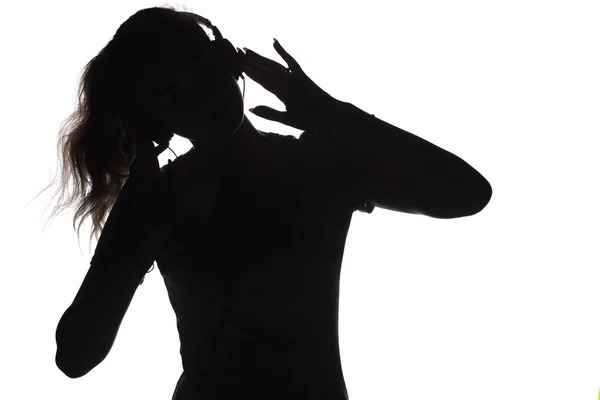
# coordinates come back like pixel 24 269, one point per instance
pixel 253 276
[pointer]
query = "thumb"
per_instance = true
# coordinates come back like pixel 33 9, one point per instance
pixel 268 113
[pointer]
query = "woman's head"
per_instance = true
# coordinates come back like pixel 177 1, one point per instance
pixel 184 87
pixel 152 80
pixel 166 78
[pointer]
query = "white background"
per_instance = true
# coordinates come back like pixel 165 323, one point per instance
pixel 501 305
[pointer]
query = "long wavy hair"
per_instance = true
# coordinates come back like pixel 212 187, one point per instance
pixel 99 141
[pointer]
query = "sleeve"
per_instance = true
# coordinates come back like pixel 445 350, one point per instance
pixel 343 168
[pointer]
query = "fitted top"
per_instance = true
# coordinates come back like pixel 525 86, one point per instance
pixel 252 269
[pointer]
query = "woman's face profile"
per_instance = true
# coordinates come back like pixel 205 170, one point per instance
pixel 194 95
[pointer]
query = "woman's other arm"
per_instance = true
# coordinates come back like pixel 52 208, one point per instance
pixel 125 251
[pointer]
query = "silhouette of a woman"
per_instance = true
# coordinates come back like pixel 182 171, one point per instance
pixel 248 228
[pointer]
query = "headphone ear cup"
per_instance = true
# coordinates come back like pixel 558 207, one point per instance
pixel 230 55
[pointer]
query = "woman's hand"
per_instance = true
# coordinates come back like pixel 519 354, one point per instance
pixel 147 191
pixel 144 171
pixel 305 102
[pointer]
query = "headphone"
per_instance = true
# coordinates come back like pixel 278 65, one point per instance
pixel 219 49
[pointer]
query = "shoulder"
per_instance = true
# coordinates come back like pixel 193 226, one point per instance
pixel 306 142
pixel 277 137
pixel 303 137
pixel 291 151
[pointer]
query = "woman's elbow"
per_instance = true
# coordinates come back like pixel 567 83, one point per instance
pixel 77 352
pixel 68 366
pixel 479 197
pixel 482 196
pixel 464 203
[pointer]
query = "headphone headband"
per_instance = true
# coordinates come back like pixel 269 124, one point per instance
pixel 206 22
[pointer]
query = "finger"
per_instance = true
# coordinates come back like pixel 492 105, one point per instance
pixel 269 113
pixel 265 80
pixel 294 66
pixel 259 67
pixel 255 58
